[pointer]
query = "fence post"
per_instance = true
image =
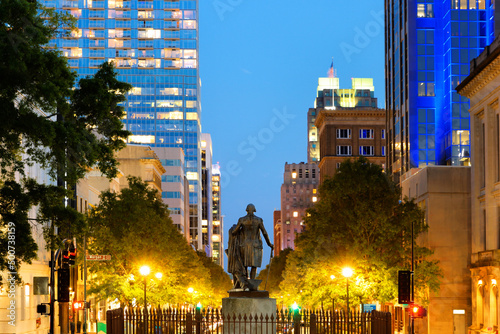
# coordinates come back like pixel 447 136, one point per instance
pixel 189 323
pixel 109 321
pixel 388 326
pixel 296 322
pixel 312 323
pixel 198 320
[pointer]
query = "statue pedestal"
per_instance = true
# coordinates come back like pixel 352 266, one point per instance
pixel 248 312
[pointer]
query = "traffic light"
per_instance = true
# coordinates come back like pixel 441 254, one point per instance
pixel 43 308
pixel 80 305
pixel 404 286
pixel 63 285
pixel 68 256
pixel 71 254
pixel 417 311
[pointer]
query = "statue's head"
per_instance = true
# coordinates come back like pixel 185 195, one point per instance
pixel 251 208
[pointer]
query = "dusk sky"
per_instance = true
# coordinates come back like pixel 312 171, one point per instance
pixel 259 62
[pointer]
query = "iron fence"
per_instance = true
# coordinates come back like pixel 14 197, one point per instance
pixel 214 321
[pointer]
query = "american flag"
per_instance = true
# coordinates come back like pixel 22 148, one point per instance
pixel 331 73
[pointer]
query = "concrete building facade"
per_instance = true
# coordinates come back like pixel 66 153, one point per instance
pixel 443 192
pixel 482 87
pixel 298 193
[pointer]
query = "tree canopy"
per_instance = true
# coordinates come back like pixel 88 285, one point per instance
pixel 219 280
pixel 49 119
pixel 274 271
pixel 134 227
pixel 358 222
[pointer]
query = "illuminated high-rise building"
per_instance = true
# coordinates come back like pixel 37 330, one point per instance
pixel 154 45
pixel 217 218
pixel 429 45
pixel 206 193
pixel 328 97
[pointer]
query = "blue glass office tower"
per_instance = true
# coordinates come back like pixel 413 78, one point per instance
pixel 154 44
pixel 429 45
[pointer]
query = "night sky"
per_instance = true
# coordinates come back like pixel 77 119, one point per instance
pixel 259 62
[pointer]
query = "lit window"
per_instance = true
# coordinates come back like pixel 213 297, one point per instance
pixel 314 199
pixel 294 174
pixel 190 104
pixel 192 176
pixel 141 139
pixel 295 214
pixel 191 116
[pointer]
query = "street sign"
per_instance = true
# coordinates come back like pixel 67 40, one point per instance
pixel 369 307
pixel 98 257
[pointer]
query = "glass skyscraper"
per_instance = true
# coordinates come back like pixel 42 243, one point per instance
pixel 154 45
pixel 429 45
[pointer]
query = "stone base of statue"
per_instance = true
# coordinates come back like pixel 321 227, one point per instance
pixel 248 312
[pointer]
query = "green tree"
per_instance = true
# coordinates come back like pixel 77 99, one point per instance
pixel 49 122
pixel 361 223
pixel 219 280
pixel 275 271
pixel 134 227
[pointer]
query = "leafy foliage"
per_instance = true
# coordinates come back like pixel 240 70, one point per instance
pixel 48 122
pixel 275 271
pixel 134 227
pixel 219 280
pixel 359 222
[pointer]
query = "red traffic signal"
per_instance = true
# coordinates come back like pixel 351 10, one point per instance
pixel 417 311
pixel 80 305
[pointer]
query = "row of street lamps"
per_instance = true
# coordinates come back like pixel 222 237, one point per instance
pixel 145 271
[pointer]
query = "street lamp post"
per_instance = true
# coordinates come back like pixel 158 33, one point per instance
pixel 144 270
pixel 347 272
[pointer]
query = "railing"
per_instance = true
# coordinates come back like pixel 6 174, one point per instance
pixel 213 321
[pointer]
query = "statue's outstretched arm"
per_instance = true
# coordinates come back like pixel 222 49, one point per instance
pixel 264 233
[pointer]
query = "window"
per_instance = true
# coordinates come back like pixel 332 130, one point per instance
pixel 383 133
pixel 338 165
pixel 344 150
pixel 343 133
pixel 171 178
pixel 295 214
pixel 365 133
pixel 425 10
pixel 171 194
pixel 383 151
pixel 170 162
pixel 366 150
pixel 426 89
pixel 175 211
